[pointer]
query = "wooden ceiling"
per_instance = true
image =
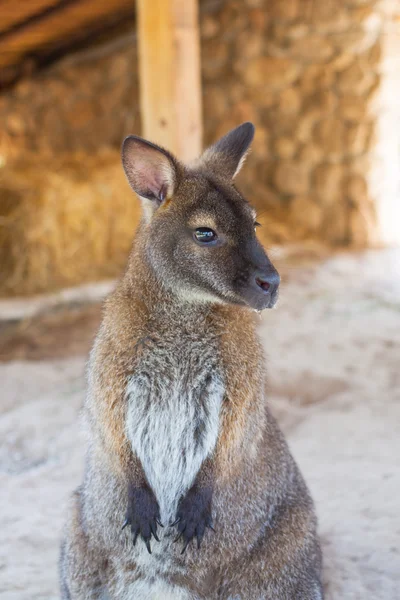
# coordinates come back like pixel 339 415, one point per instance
pixel 33 32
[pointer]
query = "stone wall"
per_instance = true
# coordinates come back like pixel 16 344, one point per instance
pixel 308 73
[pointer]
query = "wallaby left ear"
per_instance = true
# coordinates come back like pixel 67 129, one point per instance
pixel 151 170
pixel 226 157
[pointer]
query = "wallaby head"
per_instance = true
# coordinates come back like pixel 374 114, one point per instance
pixel 198 232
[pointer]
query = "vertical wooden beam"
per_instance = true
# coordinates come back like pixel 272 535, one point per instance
pixel 169 68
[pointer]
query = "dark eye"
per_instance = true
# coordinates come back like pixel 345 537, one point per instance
pixel 205 235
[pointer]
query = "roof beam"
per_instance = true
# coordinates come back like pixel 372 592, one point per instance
pixel 13 14
pixel 49 32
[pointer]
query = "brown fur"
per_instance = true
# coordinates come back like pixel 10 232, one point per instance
pixel 265 544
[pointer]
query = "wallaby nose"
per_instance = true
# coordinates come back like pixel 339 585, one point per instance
pixel 261 290
pixel 268 282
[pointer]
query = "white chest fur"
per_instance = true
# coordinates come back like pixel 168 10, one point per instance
pixel 174 405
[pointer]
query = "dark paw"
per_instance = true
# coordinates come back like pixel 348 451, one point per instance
pixel 193 516
pixel 143 515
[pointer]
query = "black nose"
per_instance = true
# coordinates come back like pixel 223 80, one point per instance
pixel 268 282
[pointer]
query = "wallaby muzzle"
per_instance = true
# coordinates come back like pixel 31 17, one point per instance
pixel 258 280
pixel 261 290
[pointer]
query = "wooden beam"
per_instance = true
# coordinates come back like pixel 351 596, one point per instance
pixel 14 13
pixel 169 68
pixel 60 24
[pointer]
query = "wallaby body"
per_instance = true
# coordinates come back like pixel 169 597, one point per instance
pixel 179 430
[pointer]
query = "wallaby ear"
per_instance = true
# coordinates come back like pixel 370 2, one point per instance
pixel 151 170
pixel 226 157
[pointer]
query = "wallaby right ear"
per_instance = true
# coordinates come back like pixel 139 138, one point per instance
pixel 226 157
pixel 151 170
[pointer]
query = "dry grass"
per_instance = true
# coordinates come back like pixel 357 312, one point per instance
pixel 65 222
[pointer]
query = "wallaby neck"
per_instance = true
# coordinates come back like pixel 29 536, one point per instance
pixel 163 306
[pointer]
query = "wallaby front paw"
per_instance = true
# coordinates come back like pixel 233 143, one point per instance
pixel 143 514
pixel 194 515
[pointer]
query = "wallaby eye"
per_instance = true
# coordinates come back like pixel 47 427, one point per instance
pixel 204 235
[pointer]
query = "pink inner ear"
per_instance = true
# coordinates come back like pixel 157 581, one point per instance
pixel 150 172
pixel 153 173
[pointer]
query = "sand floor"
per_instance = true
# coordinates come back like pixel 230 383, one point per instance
pixel 333 346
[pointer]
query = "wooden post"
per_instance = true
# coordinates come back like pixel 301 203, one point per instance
pixel 169 68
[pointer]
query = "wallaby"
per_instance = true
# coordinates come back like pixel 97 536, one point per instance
pixel 181 445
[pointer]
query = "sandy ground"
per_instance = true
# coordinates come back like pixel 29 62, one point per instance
pixel 334 348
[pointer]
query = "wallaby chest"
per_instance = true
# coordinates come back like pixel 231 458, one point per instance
pixel 174 399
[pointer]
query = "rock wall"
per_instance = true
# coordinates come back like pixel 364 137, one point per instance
pixel 308 74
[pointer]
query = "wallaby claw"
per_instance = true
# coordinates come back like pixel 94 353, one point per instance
pixel 154 532
pixel 211 526
pixel 178 537
pixel 186 544
pixel 135 537
pixel 199 538
pixel 147 542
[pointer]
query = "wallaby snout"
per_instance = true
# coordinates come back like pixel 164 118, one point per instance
pixel 262 289
pixel 258 280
